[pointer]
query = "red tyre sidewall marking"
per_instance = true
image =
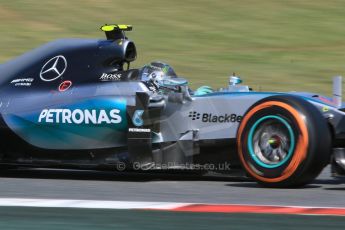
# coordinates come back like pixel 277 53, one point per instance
pixel 300 150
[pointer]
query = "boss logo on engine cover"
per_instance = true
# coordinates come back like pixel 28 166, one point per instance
pixel 110 77
pixel 211 118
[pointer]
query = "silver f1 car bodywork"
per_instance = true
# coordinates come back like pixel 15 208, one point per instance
pixel 71 103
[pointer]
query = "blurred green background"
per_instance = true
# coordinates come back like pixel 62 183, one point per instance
pixel 272 44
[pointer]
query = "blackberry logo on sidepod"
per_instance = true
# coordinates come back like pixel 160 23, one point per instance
pixel 194 115
pixel 215 118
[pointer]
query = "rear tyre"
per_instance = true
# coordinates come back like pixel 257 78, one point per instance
pixel 283 141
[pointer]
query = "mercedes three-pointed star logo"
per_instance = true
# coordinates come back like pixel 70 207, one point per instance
pixel 54 68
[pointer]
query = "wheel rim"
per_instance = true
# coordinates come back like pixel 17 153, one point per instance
pixel 271 141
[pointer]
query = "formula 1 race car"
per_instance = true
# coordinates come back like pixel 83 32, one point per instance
pixel 76 103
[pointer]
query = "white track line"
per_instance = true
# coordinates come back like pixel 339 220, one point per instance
pixel 171 206
pixel 57 203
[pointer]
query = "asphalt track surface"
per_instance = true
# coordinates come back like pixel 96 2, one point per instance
pixel 90 185
pixel 325 191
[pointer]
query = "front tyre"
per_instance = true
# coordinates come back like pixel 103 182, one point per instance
pixel 283 141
